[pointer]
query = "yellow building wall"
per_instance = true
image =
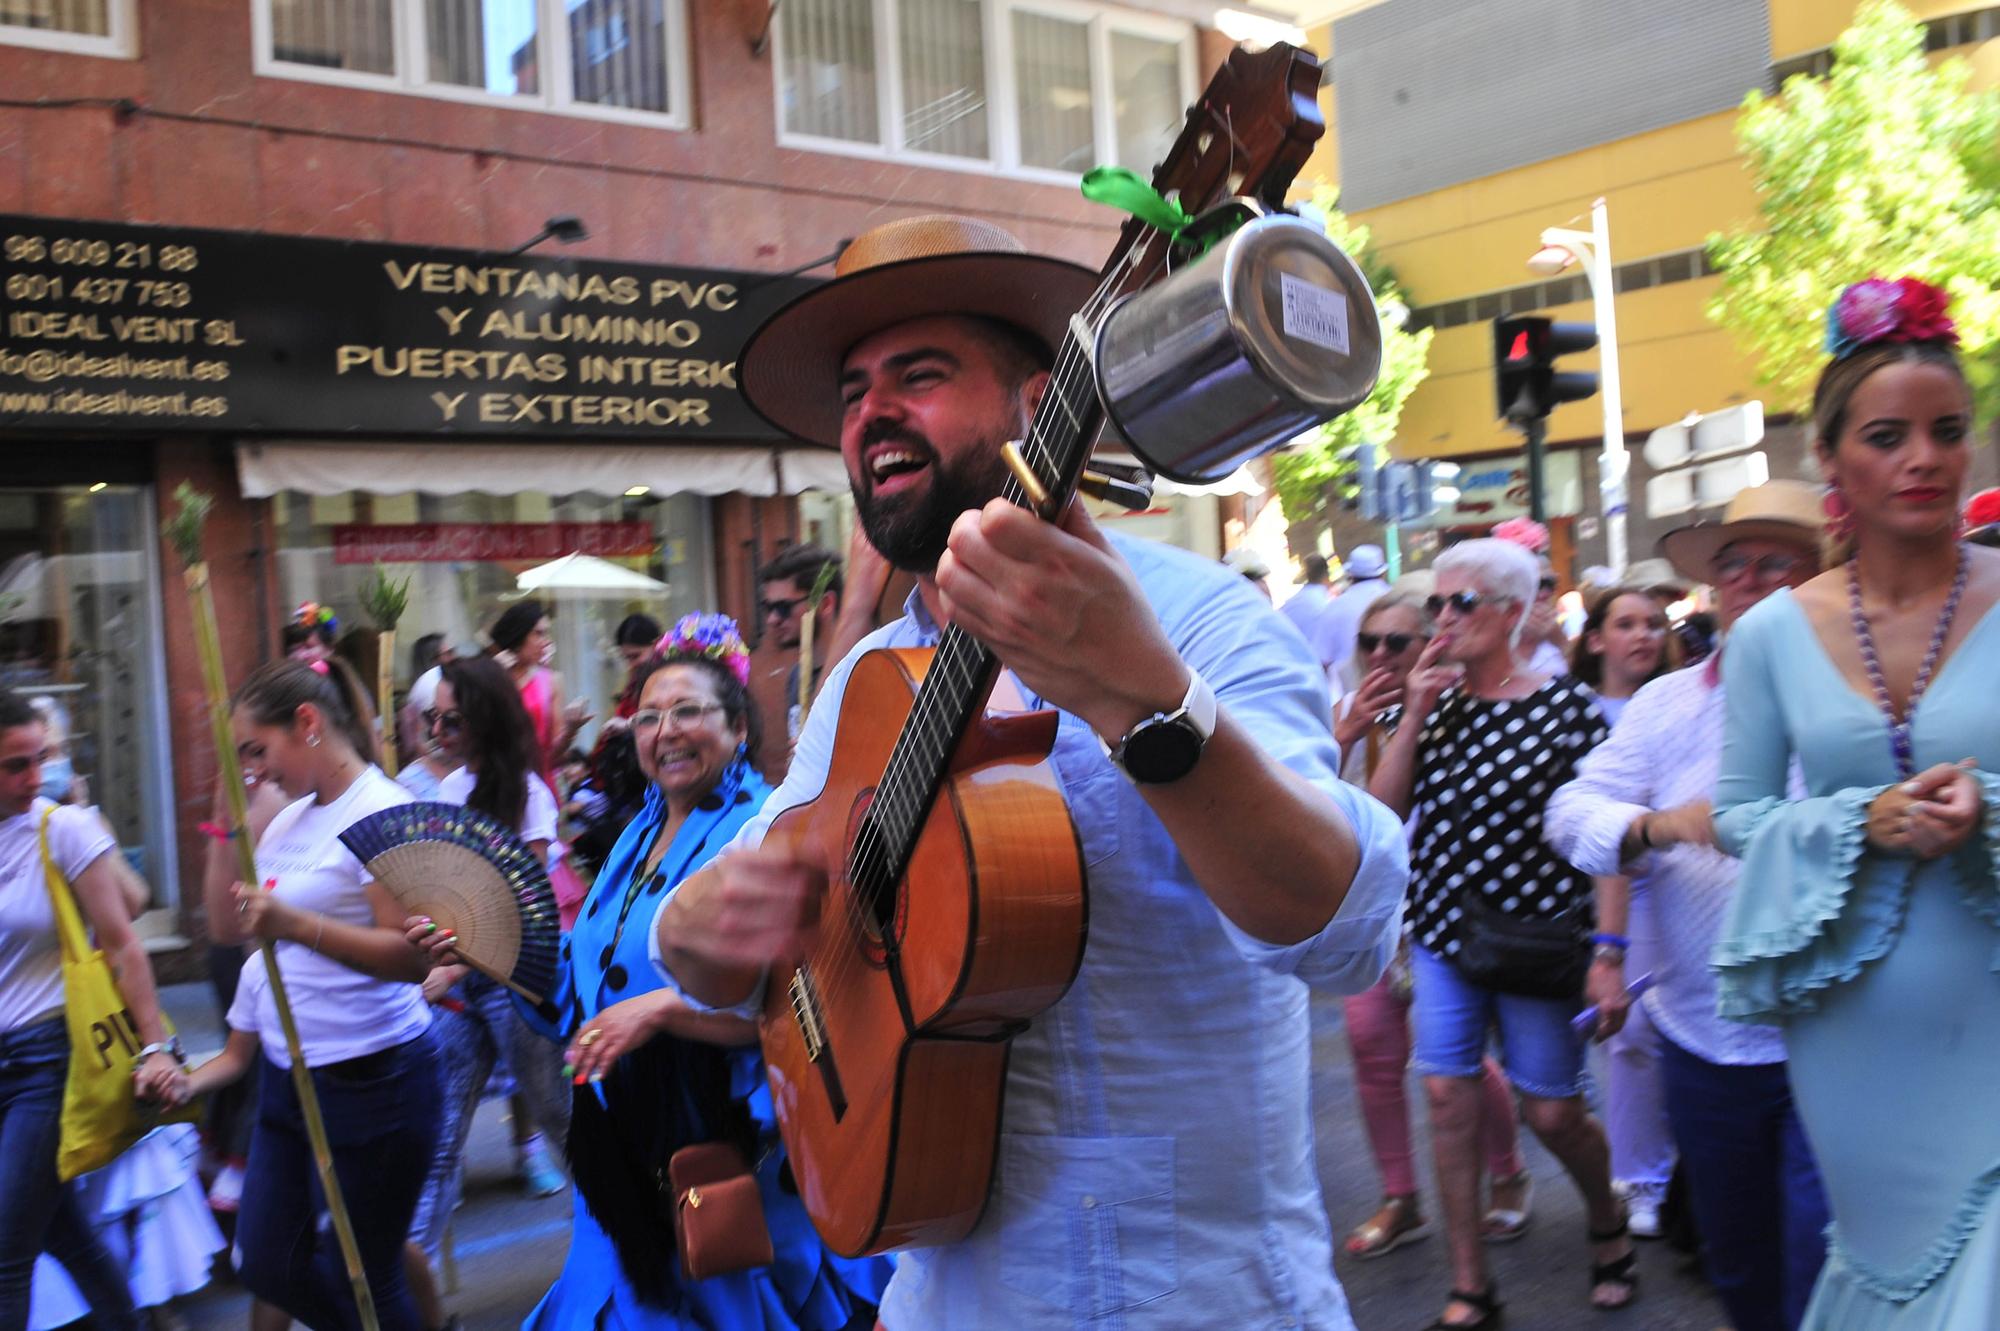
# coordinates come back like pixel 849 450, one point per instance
pixel 1666 191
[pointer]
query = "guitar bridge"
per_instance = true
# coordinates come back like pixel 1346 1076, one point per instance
pixel 805 1011
pixel 812 1033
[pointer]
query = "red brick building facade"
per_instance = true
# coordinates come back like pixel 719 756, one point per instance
pixel 212 114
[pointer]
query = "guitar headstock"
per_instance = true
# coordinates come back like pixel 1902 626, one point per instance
pixel 1247 136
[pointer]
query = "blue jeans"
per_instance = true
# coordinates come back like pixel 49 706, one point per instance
pixel 1453 1016
pixel 1753 1185
pixel 382 1119
pixel 38 1212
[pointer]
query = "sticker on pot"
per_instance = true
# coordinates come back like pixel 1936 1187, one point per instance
pixel 1314 314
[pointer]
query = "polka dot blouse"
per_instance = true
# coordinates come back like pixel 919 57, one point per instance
pixel 1485 771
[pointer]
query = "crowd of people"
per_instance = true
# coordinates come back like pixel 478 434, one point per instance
pixel 1763 878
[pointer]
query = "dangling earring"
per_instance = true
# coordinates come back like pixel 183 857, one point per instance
pixel 312 740
pixel 1839 514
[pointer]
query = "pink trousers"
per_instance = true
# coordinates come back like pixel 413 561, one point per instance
pixel 1378 1031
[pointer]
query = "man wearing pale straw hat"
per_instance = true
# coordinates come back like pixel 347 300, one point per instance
pixel 1639 805
pixel 1157 1166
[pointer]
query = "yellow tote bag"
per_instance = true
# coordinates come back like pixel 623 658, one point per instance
pixel 101 1117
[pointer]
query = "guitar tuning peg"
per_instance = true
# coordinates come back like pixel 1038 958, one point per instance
pixel 1128 495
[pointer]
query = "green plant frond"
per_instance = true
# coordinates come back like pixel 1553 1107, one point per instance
pixel 384 599
pixel 184 529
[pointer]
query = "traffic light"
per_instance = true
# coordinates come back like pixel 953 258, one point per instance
pixel 1527 384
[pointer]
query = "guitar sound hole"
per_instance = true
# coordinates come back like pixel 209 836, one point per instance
pixel 876 903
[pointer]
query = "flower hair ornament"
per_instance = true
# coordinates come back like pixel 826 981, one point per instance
pixel 1907 309
pixel 313 615
pixel 706 637
pixel 1527 533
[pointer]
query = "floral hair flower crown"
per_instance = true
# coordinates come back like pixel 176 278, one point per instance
pixel 1527 533
pixel 313 615
pixel 1908 309
pixel 709 638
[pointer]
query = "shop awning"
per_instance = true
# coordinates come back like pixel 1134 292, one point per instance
pixel 267 468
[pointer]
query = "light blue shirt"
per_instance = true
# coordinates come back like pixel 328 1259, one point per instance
pixel 1157 1169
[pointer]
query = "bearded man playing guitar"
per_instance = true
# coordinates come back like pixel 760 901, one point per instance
pixel 1156 1166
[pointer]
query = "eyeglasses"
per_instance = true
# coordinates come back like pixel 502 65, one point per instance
pixel 18 766
pixel 1464 603
pixel 450 722
pixel 1768 568
pixel 1397 643
pixel 782 607
pixel 685 716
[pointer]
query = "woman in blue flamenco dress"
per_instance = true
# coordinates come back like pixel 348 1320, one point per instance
pixel 1868 925
pixel 655 1073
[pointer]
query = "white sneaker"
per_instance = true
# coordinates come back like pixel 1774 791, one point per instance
pixel 226 1193
pixel 1642 1204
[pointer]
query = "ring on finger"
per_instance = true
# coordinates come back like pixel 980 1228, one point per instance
pixel 589 1037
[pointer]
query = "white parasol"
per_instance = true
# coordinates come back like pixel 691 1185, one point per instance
pixel 586 575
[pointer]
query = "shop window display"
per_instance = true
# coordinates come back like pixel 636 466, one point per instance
pixel 80 639
pixel 463 553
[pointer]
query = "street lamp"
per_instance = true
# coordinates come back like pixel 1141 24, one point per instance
pixel 1562 247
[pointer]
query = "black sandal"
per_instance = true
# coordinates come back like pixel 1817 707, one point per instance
pixel 1487 1304
pixel 1619 1271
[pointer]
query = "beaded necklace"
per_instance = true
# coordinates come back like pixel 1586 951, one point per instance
pixel 1899 728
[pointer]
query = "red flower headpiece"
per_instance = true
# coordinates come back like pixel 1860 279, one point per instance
pixel 1908 309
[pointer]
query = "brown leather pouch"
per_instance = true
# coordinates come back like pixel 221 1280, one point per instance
pixel 718 1212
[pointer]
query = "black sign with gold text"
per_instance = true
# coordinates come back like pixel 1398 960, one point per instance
pixel 110 328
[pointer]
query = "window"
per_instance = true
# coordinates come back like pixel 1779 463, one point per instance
pixel 1033 86
pixel 81 639
pixel 87 27
pixel 613 59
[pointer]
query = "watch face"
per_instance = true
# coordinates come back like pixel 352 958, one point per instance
pixel 1161 752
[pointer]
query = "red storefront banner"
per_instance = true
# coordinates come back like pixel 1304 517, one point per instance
pixel 487 542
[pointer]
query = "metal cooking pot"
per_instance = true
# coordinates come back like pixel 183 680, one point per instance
pixel 1267 335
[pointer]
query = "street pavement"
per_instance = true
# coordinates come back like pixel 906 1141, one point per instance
pixel 510 1247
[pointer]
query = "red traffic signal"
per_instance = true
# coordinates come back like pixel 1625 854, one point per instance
pixel 1527 386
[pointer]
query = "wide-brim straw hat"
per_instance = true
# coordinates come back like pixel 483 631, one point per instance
pixel 1788 511
pixel 789 371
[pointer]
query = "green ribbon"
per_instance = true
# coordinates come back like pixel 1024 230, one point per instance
pixel 1127 191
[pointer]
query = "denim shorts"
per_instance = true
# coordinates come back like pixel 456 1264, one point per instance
pixel 1543 1056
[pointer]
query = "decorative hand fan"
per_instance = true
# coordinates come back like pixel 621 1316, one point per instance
pixel 472 875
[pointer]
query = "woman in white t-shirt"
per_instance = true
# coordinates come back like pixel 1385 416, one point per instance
pixel 353 981
pixel 37 1211
pixel 477 718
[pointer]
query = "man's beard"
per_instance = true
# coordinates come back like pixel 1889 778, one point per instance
pixel 910 529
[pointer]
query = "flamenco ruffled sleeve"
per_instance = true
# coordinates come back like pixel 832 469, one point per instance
pixel 1815 903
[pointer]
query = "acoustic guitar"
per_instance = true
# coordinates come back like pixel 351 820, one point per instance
pixel 956 911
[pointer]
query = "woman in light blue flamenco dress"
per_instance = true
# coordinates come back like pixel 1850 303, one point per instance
pixel 654 1073
pixel 1868 925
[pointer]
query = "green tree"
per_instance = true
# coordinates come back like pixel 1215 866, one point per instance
pixel 1320 471
pixel 1885 167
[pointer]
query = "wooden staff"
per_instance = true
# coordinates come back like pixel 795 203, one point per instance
pixel 185 531
pixel 385 602
pixel 813 598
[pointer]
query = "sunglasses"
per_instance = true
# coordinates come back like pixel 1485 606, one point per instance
pixel 685 716
pixel 782 608
pixel 1464 603
pixel 1768 568
pixel 450 722
pixel 19 766
pixel 1398 643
